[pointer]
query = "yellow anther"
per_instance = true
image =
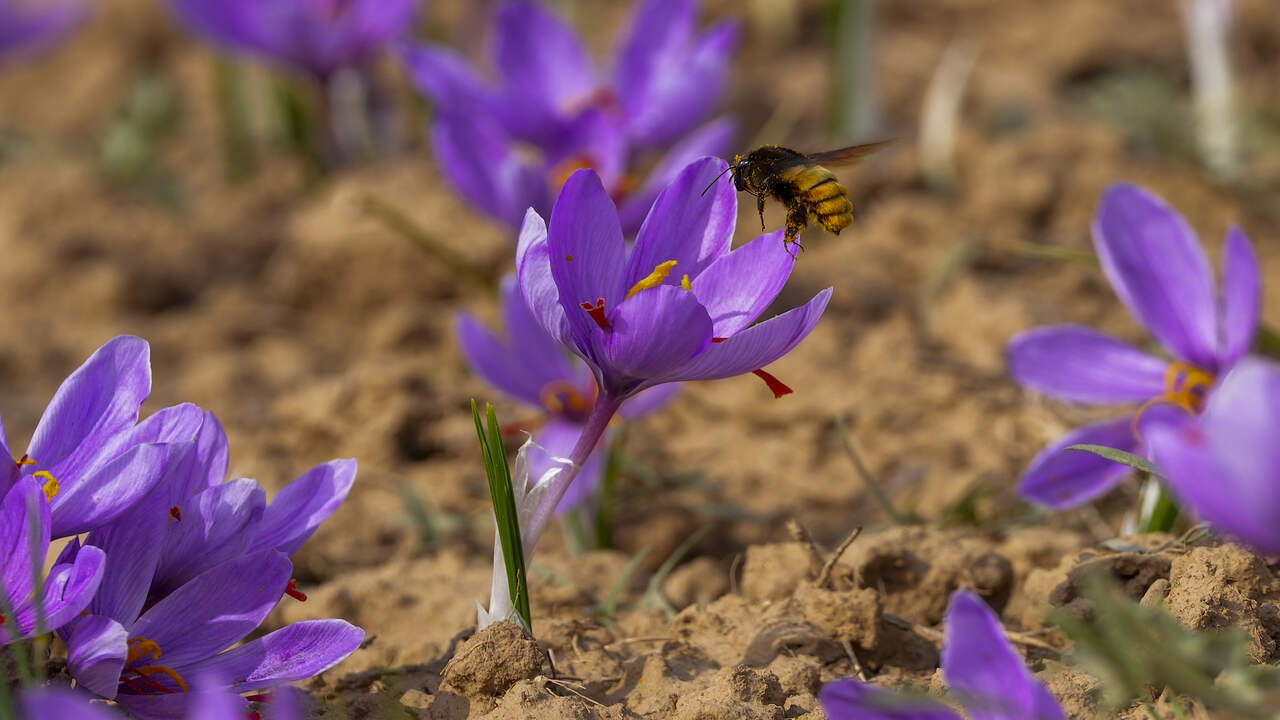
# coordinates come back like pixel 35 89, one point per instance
pixel 684 282
pixel 148 670
pixel 51 486
pixel 653 279
pixel 1185 385
pixel 141 647
pixel 24 460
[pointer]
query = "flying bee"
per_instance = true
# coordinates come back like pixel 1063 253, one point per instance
pixel 801 183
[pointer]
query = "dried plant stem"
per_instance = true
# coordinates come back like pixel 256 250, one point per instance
pixel 824 577
pixel 842 429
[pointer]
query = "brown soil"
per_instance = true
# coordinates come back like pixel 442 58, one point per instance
pixel 315 332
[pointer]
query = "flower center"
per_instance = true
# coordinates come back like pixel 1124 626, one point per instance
pixel 561 397
pixel 51 485
pixel 561 171
pixel 141 679
pixel 1185 385
pixel 655 278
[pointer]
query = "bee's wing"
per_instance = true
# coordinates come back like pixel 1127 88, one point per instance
pixel 847 155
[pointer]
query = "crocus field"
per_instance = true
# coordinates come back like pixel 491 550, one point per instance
pixel 396 359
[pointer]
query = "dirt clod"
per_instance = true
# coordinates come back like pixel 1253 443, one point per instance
pixel 493 660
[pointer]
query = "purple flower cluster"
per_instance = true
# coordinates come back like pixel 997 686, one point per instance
pixel 178 564
pixel 1162 275
pixel 667 79
pixel 983 670
pixel 26 26
pixel 318 37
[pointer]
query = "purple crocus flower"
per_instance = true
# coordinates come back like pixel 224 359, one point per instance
pixel 981 667
pixel 1157 267
pixel 191 537
pixel 1223 464
pixel 531 366
pixel 27 26
pixel 90 454
pixel 667 80
pixel 318 37
pixel 46 703
pixel 24 526
pixel 677 306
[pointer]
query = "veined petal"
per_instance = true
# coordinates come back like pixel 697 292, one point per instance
pixel 113 487
pixel 1062 478
pixel 655 332
pixel 497 363
pixel 685 225
pixel 851 700
pixel 587 254
pixel 544 69
pixel 217 608
pixel 132 544
pixel 533 273
pixel 1083 365
pixel 684 88
pixel 1157 267
pixel 984 670
pixel 96 650
pixel 96 402
pixel 712 139
pixel 43 702
pixel 739 285
pixel 302 505
pixel 542 354
pixel 176 424
pixel 294 652
pixel 17 575
pixel 479 159
pixel 1241 298
pixel 216 525
pixel 67 591
pixel 757 346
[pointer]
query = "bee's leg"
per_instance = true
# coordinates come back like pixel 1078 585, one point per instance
pixel 760 209
pixel 797 219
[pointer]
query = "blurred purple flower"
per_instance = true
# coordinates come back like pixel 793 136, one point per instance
pixel 318 37
pixel 26 26
pixel 50 703
pixel 70 586
pixel 1158 268
pixel 531 366
pixel 1223 464
pixel 89 452
pixel 981 667
pixel 667 81
pixel 196 552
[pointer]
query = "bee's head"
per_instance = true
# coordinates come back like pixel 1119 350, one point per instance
pixel 740 167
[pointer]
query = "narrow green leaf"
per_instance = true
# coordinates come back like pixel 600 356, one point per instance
pixel 505 511
pixel 1136 462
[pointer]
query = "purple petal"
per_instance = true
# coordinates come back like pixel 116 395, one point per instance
pixel 557 439
pixel 660 31
pixel 1241 298
pixel 302 505
pixel 684 84
pixel 8 470
pixel 178 705
pixel 1225 466
pixel 288 703
pixel 649 401
pixel 1083 365
pixel 294 652
pixel 738 286
pixel 132 543
pixel 113 487
pixel 447 79
pixel 96 650
pixel 542 354
pixel 544 68
pixel 851 700
pixel 1157 267
pixel 984 670
pixel 497 363
pixel 592 139
pixel 586 252
pixel 217 524
pixel 97 401
pixel 216 609
pixel 25 27
pixel 479 159
pixel 686 225
pixel 211 699
pixel 533 273
pixel 655 332
pixel 67 591
pixel 212 457
pixel 51 703
pixel 712 139
pixel 17 576
pixel 757 346
pixel 1062 478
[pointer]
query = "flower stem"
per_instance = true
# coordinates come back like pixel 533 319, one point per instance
pixel 606 407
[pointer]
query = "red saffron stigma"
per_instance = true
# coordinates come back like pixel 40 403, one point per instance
pixel 293 591
pixel 718 340
pixel 597 313
pixel 175 512
pixel 2 620
pixel 261 697
pixel 778 387
pixel 23 460
pixel 252 715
